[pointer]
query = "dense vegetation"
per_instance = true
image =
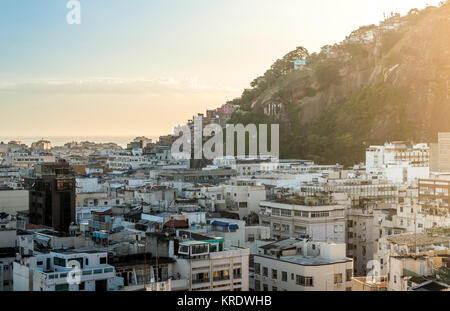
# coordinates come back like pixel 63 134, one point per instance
pixel 371 112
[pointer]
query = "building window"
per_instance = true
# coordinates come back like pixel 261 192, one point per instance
pixel 81 286
pixel 300 229
pixel 274 289
pixel 237 273
pixel 286 213
pixel 304 281
pixel 257 285
pixel 349 274
pixel 257 268
pixel 59 262
pixel 274 274
pixel 102 260
pixel 337 278
pixel 62 287
pixel 265 288
pixel 265 271
pixel 284 276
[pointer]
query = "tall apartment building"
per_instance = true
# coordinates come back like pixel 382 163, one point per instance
pixel 322 221
pixel 369 223
pixel 203 260
pixel 440 153
pixel 52 195
pixel 379 156
pixel 444 152
pixel 435 192
pixel 398 161
pixel 302 265
pixel 382 191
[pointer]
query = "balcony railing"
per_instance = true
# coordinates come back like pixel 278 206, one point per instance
pixel 200 281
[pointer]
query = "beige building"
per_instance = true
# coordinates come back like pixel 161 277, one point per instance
pixel 440 154
pixel 368 284
pixel 444 152
pixel 405 245
pixel 410 271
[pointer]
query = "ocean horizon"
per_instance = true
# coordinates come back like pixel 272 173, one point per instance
pixel 61 140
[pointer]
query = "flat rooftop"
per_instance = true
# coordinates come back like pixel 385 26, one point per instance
pixel 307 260
pixel 418 239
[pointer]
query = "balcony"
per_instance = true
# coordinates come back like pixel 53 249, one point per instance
pixel 170 285
pixel 200 281
pixel 62 277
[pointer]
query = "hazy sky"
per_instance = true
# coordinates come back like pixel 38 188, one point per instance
pixel 139 67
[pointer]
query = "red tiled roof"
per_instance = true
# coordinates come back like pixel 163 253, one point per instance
pixel 175 223
pixel 33 226
pixel 107 212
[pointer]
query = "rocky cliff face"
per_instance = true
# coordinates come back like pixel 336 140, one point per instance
pixel 394 87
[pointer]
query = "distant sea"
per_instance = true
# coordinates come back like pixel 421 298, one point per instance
pixel 61 140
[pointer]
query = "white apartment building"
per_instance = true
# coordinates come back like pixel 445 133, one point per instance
pixel 366 225
pixel 320 222
pixel 301 265
pixel 66 271
pixel 26 159
pixel 379 190
pixel 134 159
pixel 97 199
pixel 89 185
pixel 241 196
pixel 378 156
pixel 126 160
pixel 210 266
pixel 162 196
pixel 398 162
pixel 244 196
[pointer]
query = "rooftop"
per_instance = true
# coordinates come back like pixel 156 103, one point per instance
pixel 307 260
pixel 418 239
